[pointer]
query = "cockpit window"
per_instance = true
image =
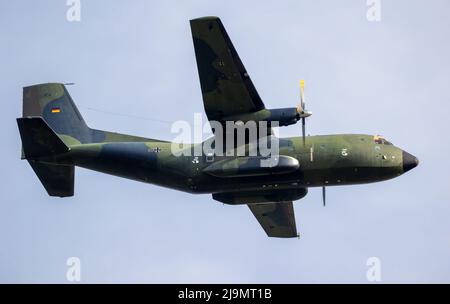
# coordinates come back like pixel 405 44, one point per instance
pixel 379 140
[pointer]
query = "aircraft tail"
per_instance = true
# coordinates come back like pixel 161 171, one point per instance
pixel 38 139
pixel 41 143
pixel 58 180
pixel 52 102
pixel 50 125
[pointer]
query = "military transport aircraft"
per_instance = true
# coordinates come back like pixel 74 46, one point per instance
pixel 55 139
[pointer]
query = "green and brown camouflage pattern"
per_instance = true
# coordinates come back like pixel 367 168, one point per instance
pixel 324 161
pixel 226 86
pixel 40 100
pixel 55 139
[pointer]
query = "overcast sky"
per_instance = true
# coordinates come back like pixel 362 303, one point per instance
pixel 136 57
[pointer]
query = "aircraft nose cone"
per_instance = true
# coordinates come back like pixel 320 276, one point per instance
pixel 409 161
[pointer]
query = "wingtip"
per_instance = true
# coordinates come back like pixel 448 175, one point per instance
pixel 205 18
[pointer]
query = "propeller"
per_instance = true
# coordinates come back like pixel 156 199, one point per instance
pixel 301 110
pixel 324 196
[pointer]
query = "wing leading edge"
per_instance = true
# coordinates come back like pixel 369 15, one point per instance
pixel 226 86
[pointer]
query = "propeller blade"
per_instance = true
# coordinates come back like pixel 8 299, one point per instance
pixel 302 91
pixel 303 131
pixel 324 197
pixel 301 109
pixel 301 105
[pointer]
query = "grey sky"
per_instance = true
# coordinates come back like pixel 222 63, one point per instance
pixel 390 77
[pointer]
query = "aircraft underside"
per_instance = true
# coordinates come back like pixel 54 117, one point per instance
pixel 56 139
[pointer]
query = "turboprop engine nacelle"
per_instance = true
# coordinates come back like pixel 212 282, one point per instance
pixel 284 116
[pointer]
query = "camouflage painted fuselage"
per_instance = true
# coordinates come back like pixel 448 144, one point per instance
pixel 323 161
pixel 55 139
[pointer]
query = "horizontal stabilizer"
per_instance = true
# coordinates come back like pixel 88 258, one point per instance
pixel 38 139
pixel 58 180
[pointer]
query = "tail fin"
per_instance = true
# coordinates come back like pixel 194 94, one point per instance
pixel 51 123
pixel 38 142
pixel 52 102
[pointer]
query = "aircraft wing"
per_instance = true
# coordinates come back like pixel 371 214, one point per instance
pixel 277 219
pixel 226 86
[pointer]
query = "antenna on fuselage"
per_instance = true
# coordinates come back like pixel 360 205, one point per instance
pixel 324 196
